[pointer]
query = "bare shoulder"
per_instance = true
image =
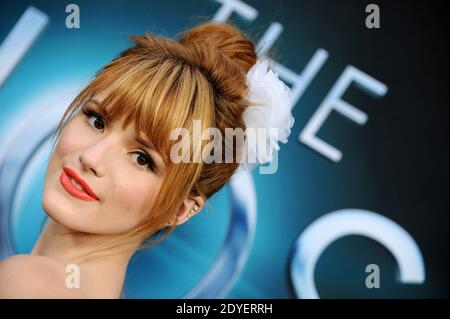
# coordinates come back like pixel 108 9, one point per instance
pixel 31 276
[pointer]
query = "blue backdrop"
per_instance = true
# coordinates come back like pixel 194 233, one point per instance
pixel 393 142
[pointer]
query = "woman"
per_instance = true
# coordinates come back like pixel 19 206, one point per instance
pixel 110 183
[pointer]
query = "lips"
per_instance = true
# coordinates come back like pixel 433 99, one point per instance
pixel 85 194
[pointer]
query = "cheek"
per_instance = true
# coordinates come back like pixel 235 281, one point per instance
pixel 72 138
pixel 66 145
pixel 133 198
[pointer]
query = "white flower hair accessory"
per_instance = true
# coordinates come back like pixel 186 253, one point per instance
pixel 271 104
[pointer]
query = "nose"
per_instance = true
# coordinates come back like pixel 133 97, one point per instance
pixel 93 157
pixel 86 164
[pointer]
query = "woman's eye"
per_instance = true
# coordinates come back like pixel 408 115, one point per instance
pixel 94 119
pixel 142 159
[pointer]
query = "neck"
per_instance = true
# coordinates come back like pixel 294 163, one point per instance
pixel 67 246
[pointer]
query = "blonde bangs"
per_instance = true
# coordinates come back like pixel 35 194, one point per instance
pixel 156 95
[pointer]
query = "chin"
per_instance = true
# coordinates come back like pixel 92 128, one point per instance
pixel 59 209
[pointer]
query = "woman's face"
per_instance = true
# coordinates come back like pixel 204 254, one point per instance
pixel 115 167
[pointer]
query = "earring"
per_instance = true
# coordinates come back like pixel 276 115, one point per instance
pixel 194 209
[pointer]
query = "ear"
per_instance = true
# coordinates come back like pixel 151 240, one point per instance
pixel 190 207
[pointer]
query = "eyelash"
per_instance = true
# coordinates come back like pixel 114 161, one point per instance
pixel 89 113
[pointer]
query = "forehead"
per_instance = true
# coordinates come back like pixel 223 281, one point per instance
pixel 101 95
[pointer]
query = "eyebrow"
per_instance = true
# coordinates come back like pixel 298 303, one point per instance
pixel 144 143
pixel 103 109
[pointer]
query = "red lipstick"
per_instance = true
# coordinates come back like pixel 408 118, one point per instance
pixel 85 194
